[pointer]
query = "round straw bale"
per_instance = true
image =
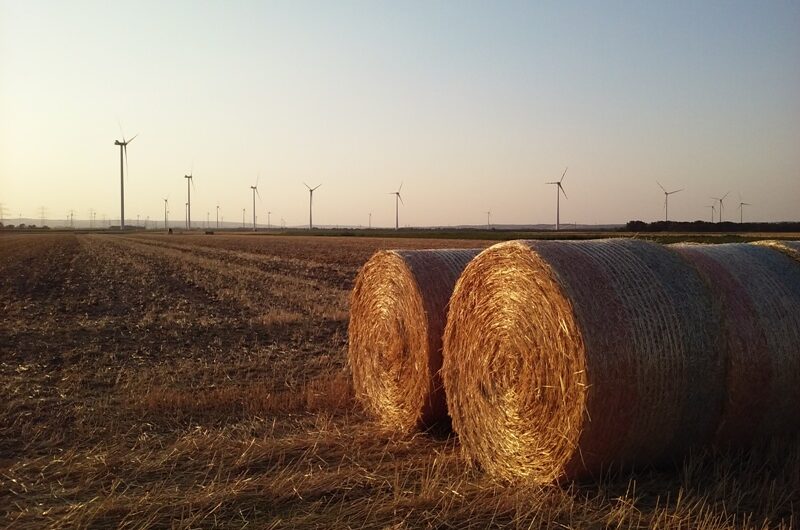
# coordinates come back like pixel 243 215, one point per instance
pixel 758 290
pixel 563 359
pixel 397 315
pixel 791 248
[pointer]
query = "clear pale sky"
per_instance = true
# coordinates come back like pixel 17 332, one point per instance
pixel 472 105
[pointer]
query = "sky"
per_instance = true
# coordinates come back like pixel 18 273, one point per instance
pixel 472 106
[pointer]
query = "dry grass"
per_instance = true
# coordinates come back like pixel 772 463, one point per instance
pixel 136 395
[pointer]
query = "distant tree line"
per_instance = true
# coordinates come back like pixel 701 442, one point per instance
pixel 23 226
pixel 705 226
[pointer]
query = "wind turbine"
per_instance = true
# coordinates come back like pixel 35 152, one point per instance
pixel 666 199
pixel 166 202
pixel 741 210
pixel 123 163
pixel 559 191
pixel 189 179
pixel 255 192
pixel 370 220
pixel 243 225
pixel 310 201
pixel 269 221
pixel 71 215
pixel 720 199
pixel 218 217
pixel 713 209
pixel 488 219
pixel 397 200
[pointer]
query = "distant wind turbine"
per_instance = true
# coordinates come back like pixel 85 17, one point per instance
pixel 189 179
pixel 123 163
pixel 166 202
pixel 720 199
pixel 488 219
pixel 713 209
pixel 218 217
pixel 310 202
pixel 741 210
pixel 269 220
pixel 666 200
pixel 255 192
pixel 397 200
pixel 559 191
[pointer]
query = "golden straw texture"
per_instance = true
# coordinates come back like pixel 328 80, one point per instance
pixel 791 248
pixel 563 359
pixel 758 291
pixel 397 316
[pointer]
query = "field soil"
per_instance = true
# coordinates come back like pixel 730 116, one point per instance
pixel 199 381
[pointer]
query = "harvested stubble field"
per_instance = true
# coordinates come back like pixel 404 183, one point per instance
pixel 200 381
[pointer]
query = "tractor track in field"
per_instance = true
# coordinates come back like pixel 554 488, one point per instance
pixel 328 275
pixel 245 282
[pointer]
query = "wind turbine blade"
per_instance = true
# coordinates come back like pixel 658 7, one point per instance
pixel 318 185
pixel 676 191
pixel 723 197
pixel 562 190
pixel 120 129
pixel 134 136
pixel 306 185
pixel 258 177
pixel 563 174
pixel 401 187
pixel 257 193
pixel 401 198
pixel 660 186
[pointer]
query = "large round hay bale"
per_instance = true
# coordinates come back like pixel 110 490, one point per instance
pixel 398 310
pixel 758 292
pixel 563 359
pixel 790 248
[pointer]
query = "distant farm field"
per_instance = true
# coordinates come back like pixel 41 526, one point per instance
pixel 197 381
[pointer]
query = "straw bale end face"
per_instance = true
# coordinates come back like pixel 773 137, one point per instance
pixel 516 373
pixel 397 316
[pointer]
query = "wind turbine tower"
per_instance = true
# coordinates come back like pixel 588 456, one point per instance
pixel 310 202
pixel 397 200
pixel 559 191
pixel 720 199
pixel 189 180
pixel 255 192
pixel 218 217
pixel 489 219
pixel 165 212
pixel 713 209
pixel 741 210
pixel 269 220
pixel 123 162
pixel 666 199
